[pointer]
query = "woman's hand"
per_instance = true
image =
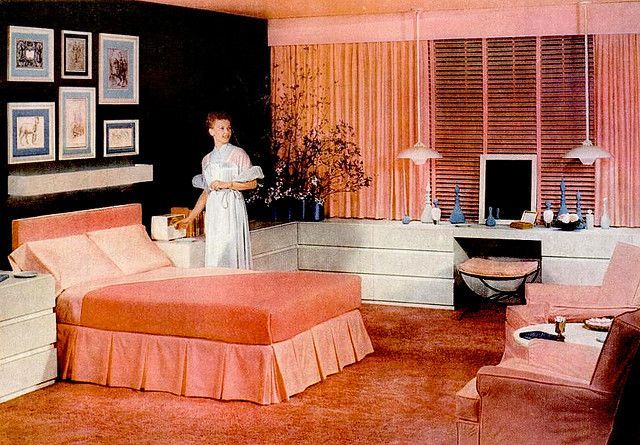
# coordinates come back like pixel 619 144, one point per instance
pixel 220 185
pixel 183 223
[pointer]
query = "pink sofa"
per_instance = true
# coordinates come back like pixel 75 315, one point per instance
pixel 619 293
pixel 560 393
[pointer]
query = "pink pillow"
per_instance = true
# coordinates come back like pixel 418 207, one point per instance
pixel 70 259
pixel 130 248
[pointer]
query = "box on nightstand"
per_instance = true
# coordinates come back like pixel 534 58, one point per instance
pixel 27 335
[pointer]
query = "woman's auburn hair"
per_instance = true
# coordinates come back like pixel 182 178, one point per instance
pixel 217 116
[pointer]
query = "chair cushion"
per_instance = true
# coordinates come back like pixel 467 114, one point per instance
pixel 482 267
pixel 468 402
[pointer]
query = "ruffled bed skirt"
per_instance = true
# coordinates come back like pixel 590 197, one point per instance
pixel 196 367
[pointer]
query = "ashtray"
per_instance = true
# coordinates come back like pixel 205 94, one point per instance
pixel 25 274
pixel 598 323
pixel 573 225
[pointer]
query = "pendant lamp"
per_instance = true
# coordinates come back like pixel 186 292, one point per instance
pixel 587 152
pixel 419 153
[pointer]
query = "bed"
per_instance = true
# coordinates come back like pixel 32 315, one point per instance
pixel 126 317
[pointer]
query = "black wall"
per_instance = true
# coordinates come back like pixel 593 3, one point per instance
pixel 190 61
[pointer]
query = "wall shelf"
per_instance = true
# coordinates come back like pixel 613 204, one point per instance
pixel 43 184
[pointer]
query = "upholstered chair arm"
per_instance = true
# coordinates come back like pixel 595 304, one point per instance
pixel 564 359
pixel 522 406
pixel 562 294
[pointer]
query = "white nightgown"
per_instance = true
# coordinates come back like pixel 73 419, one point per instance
pixel 226 224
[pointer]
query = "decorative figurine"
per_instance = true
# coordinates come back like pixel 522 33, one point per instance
pixel 590 220
pixel 406 219
pixel 547 215
pixel 581 224
pixel 490 221
pixel 605 221
pixel 435 212
pixel 426 212
pixel 563 201
pixel 457 217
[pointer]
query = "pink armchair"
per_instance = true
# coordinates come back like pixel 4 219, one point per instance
pixel 619 293
pixel 561 393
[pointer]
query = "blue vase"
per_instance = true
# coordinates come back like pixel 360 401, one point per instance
pixel 491 221
pixel 457 217
pixel 317 211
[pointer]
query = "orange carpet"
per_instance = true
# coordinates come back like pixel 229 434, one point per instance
pixel 404 393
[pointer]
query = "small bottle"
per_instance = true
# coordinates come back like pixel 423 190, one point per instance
pixel 590 220
pixel 435 212
pixel 605 221
pixel 547 215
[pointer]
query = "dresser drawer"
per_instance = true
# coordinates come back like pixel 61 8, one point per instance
pixel 27 334
pixel 27 373
pixel 22 296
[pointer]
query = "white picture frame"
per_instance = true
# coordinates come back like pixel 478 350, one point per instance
pixel 30 54
pixel 31 132
pixel 76 123
pixel 118 69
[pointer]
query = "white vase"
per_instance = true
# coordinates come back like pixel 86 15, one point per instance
pixel 547 216
pixel 590 220
pixel 605 221
pixel 426 214
pixel 435 214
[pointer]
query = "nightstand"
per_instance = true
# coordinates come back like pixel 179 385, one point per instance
pixel 184 252
pixel 27 335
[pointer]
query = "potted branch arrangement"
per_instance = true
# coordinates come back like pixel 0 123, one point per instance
pixel 313 157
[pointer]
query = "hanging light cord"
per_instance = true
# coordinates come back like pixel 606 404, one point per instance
pixel 418 86
pixel 586 68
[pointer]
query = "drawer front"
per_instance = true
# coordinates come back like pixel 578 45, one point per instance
pixel 22 296
pixel 573 271
pixel 27 335
pixel 336 234
pixel 427 291
pixel 273 238
pixel 286 260
pixel 26 372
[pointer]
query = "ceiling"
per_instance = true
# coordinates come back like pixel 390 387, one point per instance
pixel 279 9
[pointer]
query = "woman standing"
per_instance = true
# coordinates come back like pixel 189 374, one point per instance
pixel 226 172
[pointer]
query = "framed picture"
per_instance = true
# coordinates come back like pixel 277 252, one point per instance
pixel 30 54
pixel 76 116
pixel 76 55
pixel 529 216
pixel 118 69
pixel 31 132
pixel 121 138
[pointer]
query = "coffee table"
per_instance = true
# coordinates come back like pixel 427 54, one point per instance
pixel 573 333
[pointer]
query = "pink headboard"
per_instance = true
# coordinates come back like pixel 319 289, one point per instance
pixel 73 223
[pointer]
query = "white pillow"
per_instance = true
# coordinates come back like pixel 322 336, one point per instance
pixel 130 248
pixel 70 259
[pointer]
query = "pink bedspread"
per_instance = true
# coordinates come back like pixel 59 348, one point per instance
pixel 257 308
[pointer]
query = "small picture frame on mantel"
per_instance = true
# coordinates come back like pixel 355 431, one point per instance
pixel 75 55
pixel 121 138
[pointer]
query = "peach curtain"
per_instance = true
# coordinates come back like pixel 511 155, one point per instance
pixel 372 87
pixel 617 95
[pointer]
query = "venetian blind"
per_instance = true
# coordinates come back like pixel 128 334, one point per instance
pixel 457 122
pixel 509 95
pixel 563 121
